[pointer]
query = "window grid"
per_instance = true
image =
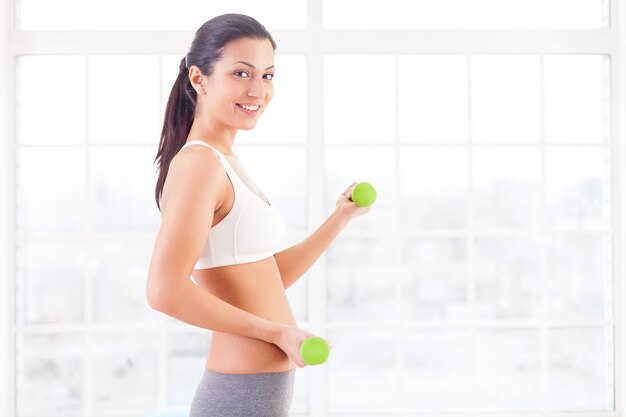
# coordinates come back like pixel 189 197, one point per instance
pixel 318 313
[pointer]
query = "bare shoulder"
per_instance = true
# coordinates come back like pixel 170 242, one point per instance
pixel 195 173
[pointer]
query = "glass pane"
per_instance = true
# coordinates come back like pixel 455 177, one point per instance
pixel 434 279
pixel 432 98
pixel 125 372
pixel 376 165
pixel 579 278
pixel 285 119
pixel 508 277
pixel 435 369
pixel 577 98
pixel 164 15
pixel 507 370
pixel 361 372
pixel 169 73
pixel 580 370
pixel 298 294
pixel 300 398
pixel 359 98
pixel 51 111
pixel 122 193
pixel 50 190
pixel 49 369
pixel 506 98
pixel 124 99
pixel 465 14
pixel 507 187
pixel 578 187
pixel 50 281
pixel 280 174
pixel 433 187
pixel 119 269
pixel 186 359
pixel 360 280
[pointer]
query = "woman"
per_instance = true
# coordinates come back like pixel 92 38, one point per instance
pixel 218 227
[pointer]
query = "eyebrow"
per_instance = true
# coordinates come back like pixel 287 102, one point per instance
pixel 250 65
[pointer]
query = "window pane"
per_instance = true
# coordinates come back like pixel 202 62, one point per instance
pixel 50 188
pixel 507 363
pixel 114 15
pixel 465 14
pixel 432 97
pixel 359 98
pixel 122 189
pixel 50 281
pixel 433 187
pixel 376 165
pixel 119 269
pixel 360 280
pixel 361 372
pixel 298 296
pixel 51 110
pixel 123 99
pixel 186 359
pixel 49 369
pixel 125 372
pixel 578 187
pixel 506 98
pixel 577 97
pixel 508 278
pixel 579 278
pixel 436 369
pixel 580 370
pixel 434 279
pixel 507 187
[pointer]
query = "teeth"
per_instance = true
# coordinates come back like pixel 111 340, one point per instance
pixel 254 108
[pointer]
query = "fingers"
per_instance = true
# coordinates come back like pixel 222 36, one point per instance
pixel 348 192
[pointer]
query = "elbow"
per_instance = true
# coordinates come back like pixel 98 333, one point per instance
pixel 156 298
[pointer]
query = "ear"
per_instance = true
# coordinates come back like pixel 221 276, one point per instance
pixel 197 79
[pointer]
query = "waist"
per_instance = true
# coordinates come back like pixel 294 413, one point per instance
pixel 234 354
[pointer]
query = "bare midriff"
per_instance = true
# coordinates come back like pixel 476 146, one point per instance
pixel 257 288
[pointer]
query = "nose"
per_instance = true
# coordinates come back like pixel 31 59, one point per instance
pixel 256 88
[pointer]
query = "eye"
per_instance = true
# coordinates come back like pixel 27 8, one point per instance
pixel 241 72
pixel 271 76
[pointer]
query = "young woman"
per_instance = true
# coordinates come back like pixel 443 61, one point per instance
pixel 219 228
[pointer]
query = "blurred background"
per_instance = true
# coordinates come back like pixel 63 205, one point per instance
pixel 484 279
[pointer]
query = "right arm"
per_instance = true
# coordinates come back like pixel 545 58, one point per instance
pixel 193 189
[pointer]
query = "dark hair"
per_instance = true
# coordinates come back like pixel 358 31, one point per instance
pixel 206 48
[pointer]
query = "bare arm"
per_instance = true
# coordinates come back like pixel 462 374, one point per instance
pixel 191 194
pixel 294 261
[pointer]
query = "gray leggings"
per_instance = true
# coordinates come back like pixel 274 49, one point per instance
pixel 243 395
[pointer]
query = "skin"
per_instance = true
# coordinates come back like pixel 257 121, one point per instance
pixel 245 305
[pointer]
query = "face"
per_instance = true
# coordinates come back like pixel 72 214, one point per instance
pixel 243 76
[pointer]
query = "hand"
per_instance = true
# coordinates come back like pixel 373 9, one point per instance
pixel 348 207
pixel 289 338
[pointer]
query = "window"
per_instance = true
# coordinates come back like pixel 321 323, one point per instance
pixel 487 270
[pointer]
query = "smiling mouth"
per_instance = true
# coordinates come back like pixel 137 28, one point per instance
pixel 249 108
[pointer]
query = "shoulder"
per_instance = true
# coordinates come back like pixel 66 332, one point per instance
pixel 197 172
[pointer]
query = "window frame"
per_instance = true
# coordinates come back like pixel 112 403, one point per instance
pixel 313 42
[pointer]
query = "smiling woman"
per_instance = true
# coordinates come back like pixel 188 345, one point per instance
pixel 218 227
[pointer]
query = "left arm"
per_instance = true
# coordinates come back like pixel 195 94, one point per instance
pixel 294 261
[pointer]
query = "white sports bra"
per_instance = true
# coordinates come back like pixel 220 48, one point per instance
pixel 252 230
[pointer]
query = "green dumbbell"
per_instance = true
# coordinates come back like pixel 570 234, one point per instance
pixel 363 194
pixel 314 351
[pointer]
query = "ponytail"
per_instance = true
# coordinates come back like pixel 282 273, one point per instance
pixel 179 114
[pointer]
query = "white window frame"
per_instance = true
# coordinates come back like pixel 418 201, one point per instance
pixel 314 42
